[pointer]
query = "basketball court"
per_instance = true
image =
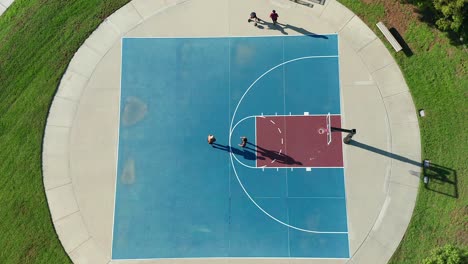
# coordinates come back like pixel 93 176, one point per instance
pixel 129 175
pixel 280 196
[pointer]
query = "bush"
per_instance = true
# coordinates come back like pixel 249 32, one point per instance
pixel 452 13
pixel 447 254
pixel 446 15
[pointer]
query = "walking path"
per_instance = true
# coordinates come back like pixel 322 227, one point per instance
pixel 80 144
pixel 4 4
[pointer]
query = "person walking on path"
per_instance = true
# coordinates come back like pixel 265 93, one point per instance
pixel 253 17
pixel 243 142
pixel 211 139
pixel 274 17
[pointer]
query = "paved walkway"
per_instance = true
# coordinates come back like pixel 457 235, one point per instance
pixel 80 144
pixel 4 4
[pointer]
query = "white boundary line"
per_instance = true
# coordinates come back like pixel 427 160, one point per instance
pixel 232 155
pixel 223 258
pixel 226 36
pixel 118 143
pixel 264 116
pixel 229 170
pixel 284 144
pixel 296 197
pixel 289 167
pixel 230 137
pixel 256 143
pixel 342 144
pixel 264 167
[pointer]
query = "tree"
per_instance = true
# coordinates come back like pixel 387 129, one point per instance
pixel 452 14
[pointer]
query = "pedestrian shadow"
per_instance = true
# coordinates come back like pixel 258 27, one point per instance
pixel 281 27
pixel 442 180
pixel 272 155
pixel 246 154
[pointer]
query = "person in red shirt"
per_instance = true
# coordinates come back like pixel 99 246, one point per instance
pixel 274 16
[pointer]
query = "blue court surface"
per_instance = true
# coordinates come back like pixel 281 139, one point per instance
pixel 179 197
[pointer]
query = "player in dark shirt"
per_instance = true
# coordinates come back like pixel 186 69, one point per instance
pixel 253 17
pixel 243 142
pixel 274 16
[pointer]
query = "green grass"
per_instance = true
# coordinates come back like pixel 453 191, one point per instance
pixel 437 76
pixel 37 40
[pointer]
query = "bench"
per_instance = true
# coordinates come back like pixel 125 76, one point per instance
pixel 389 36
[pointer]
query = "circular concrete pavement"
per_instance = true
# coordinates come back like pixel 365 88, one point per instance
pixel 81 137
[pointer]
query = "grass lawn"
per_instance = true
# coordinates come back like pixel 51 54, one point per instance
pixel 436 73
pixel 38 39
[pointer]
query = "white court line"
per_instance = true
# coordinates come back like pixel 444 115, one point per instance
pixel 233 156
pixel 302 115
pixel 303 168
pixel 342 118
pixel 265 116
pixel 229 107
pixel 271 167
pixel 230 136
pixel 220 258
pixel 274 218
pixel 286 174
pixel 297 197
pixel 256 160
pixel 118 141
pixel 226 36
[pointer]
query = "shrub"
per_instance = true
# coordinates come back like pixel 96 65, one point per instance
pixel 452 13
pixel 447 254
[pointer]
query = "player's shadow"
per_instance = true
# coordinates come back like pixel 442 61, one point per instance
pixel 281 27
pixel 247 154
pixel 273 155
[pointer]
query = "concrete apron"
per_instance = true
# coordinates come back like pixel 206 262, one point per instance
pixel 81 137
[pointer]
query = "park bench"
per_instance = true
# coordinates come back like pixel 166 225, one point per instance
pixel 389 36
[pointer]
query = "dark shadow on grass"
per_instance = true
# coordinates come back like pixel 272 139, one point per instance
pixel 442 180
pixel 406 49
